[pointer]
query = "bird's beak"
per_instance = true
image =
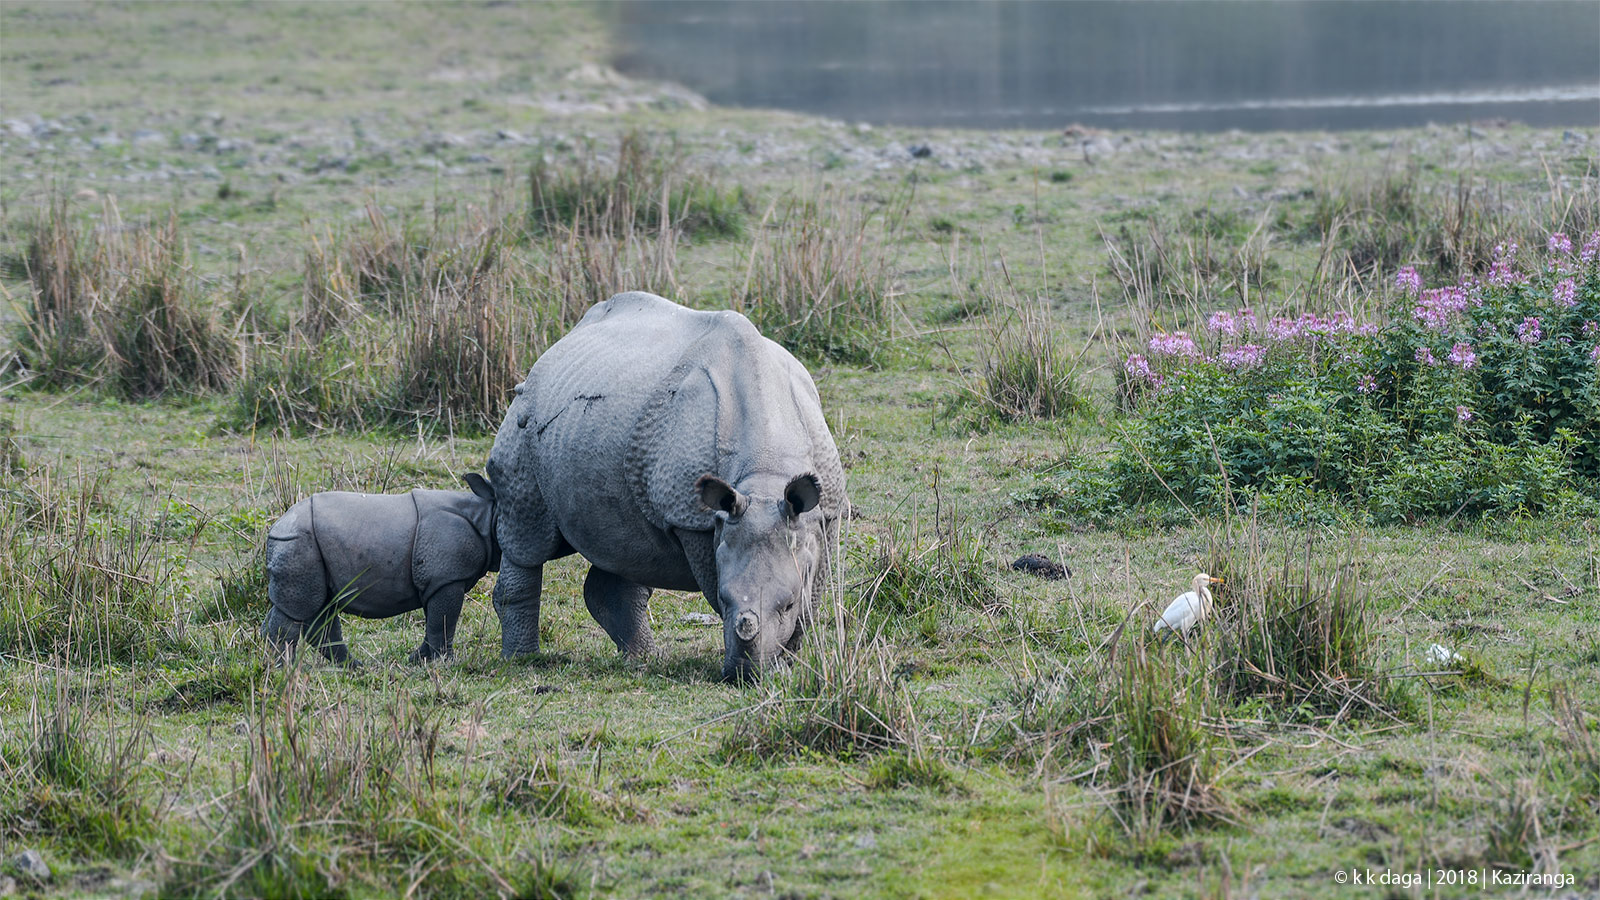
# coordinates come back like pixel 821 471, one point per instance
pixel 1216 581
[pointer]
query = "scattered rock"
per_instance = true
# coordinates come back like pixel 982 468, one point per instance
pixel 480 158
pixel 443 141
pixel 1041 567
pixel 919 151
pixel 8 886
pixel 31 864
pixel 510 137
pixel 866 840
pixel 1363 829
pixel 146 136
pixel 699 618
pixel 1572 137
pixel 1190 854
pixel 105 140
pixel 19 128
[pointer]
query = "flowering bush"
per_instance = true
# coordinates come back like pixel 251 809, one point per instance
pixel 1476 397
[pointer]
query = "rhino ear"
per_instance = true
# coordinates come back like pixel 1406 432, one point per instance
pixel 479 485
pixel 720 496
pixel 802 495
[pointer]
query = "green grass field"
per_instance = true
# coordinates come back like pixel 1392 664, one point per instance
pixel 957 729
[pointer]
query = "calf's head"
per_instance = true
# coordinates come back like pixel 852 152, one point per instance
pixel 770 557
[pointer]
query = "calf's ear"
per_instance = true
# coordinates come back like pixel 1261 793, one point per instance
pixel 479 485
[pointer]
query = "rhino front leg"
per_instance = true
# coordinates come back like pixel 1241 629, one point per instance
pixel 622 608
pixel 700 550
pixel 443 610
pixel 516 602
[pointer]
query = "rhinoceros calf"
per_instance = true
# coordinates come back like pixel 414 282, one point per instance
pixel 375 556
pixel 675 449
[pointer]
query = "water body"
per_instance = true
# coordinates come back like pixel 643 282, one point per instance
pixel 1173 64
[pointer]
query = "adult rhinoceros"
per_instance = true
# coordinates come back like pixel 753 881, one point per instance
pixel 672 448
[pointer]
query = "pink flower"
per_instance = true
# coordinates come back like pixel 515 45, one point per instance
pixel 1247 318
pixel 1565 293
pixel 1176 344
pixel 1559 244
pixel 1138 368
pixel 1366 384
pixel 1505 250
pixel 1595 354
pixel 1463 414
pixel 1528 332
pixel 1244 356
pixel 1425 356
pixel 1436 307
pixel 1591 328
pixel 1591 247
pixel 1461 355
pixel 1503 274
pixel 1281 329
pixel 1222 322
pixel 1408 281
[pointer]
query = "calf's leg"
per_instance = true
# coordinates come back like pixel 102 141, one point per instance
pixel 443 610
pixel 329 636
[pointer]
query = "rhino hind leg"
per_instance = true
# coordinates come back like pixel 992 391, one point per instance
pixel 516 602
pixel 282 633
pixel 622 608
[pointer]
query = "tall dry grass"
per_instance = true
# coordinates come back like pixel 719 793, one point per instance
pixel 118 305
pixel 821 275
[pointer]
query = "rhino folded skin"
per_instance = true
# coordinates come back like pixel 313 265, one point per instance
pixel 380 555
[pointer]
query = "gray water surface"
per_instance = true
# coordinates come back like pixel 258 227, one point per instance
pixel 1173 64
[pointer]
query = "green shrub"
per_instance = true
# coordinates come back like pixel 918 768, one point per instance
pixel 1481 398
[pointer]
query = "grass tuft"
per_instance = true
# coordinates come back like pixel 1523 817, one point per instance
pixel 820 279
pixel 921 570
pixel 91 590
pixel 1300 637
pixel 650 186
pixel 119 305
pixel 839 698
pixel 81 790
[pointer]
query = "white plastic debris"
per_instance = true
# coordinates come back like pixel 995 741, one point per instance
pixel 1439 654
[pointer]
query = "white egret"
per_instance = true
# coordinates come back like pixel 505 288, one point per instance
pixel 1189 609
